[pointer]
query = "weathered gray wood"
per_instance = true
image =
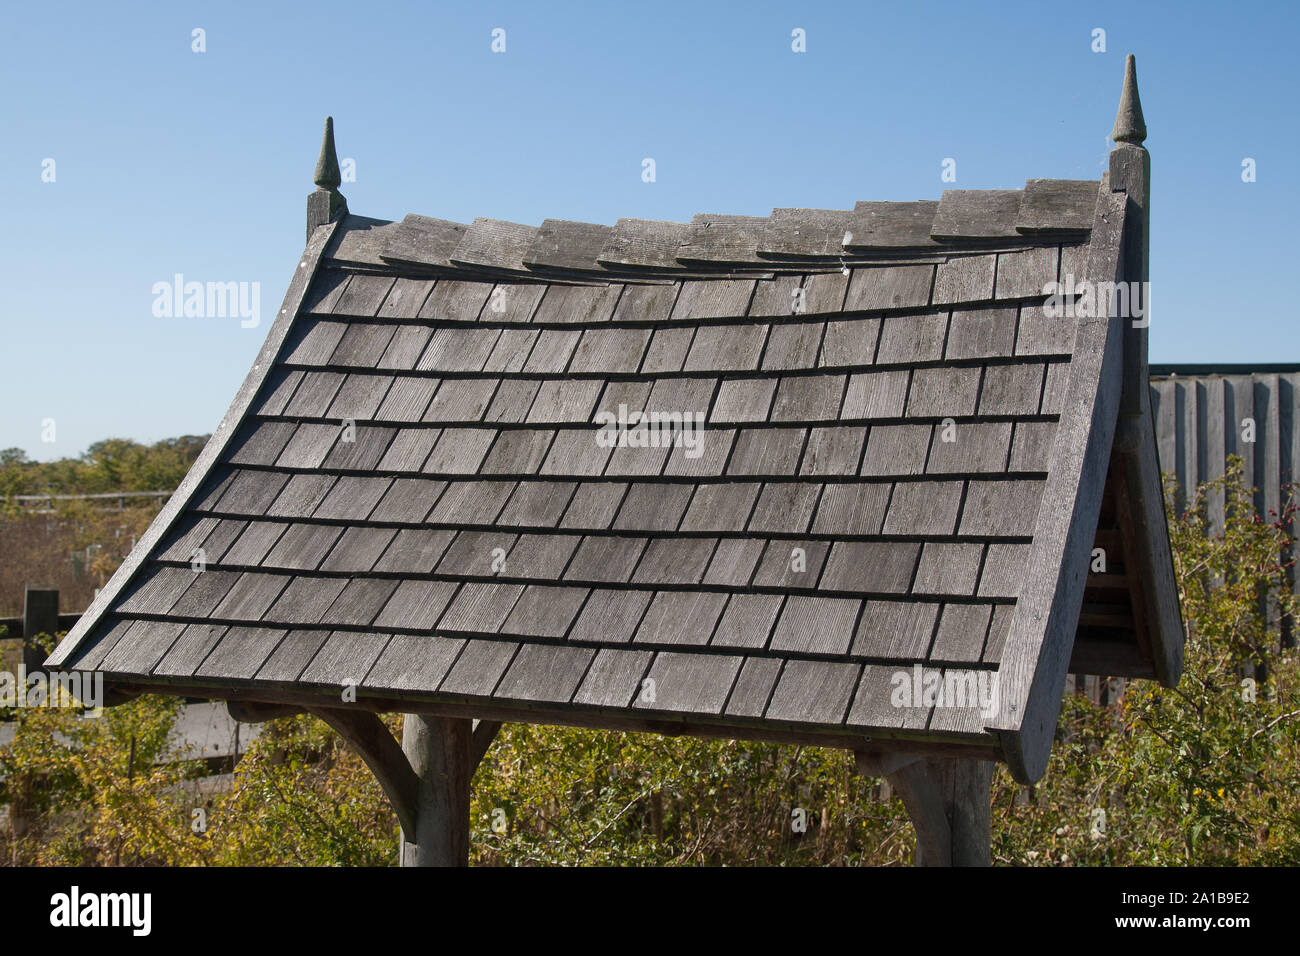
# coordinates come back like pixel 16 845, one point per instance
pixel 1037 648
pixel 976 214
pixel 1130 172
pixel 562 244
pixel 948 568
pixel 906 339
pixel 778 567
pixel 1151 562
pixel 645 243
pixel 948 803
pixel 945 392
pixel 1011 389
pixel 876 394
pixel 767 451
pixel 613 678
pixel 439 753
pixel 495 244
pixel 965 279
pixel 680 617
pixel 1026 274
pixel 975 448
pixel 898 629
pixel 578 305
pixel 1057 206
pixel 794 345
pixel 423 241
pixel 747 622
pixel 931 508
pixel 812 233
pixel 890 225
pixel 889 287
pixel 714 299
pixel 545 672
pixel 896 450
pixel 694 682
pixel 813 692
pixel 360 240
pixel 816 625
pixel 722 239
pixel 753 687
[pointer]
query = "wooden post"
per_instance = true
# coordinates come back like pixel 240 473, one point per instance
pixel 440 752
pixel 1130 172
pixel 947 800
pixel 40 616
pixel 326 203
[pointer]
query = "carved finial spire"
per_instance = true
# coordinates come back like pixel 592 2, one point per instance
pixel 327 167
pixel 1130 127
pixel 326 203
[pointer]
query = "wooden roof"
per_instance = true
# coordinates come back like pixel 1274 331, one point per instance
pixel 899 466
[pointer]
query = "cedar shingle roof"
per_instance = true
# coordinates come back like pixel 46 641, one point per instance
pixel 409 493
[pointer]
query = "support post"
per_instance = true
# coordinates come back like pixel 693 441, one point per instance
pixel 440 752
pixel 40 616
pixel 947 800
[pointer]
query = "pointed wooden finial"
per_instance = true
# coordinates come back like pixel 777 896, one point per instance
pixel 327 167
pixel 1130 127
pixel 326 203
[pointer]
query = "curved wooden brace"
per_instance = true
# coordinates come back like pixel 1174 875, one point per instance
pixel 367 735
pixel 947 800
pixel 485 731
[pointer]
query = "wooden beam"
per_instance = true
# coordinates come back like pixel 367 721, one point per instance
pixel 256 711
pixel 1108 658
pixel 1147 530
pixel 1036 653
pixel 723 728
pixel 1128 538
pixel 439 751
pixel 872 764
pixel 368 736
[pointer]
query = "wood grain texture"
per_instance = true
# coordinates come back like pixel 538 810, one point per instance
pixel 1057 206
pixel 496 244
pixel 812 233
pixel 563 244
pixel 976 214
pixel 891 225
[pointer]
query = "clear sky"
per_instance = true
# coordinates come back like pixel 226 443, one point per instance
pixel 170 161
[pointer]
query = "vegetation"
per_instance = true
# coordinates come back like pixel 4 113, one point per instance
pixel 76 544
pixel 115 464
pixel 1207 773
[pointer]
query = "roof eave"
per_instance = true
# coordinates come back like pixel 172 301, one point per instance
pixel 211 454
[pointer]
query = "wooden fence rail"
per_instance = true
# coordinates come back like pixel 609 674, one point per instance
pixel 34 502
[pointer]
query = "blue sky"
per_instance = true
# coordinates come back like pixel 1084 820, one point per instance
pixel 169 161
